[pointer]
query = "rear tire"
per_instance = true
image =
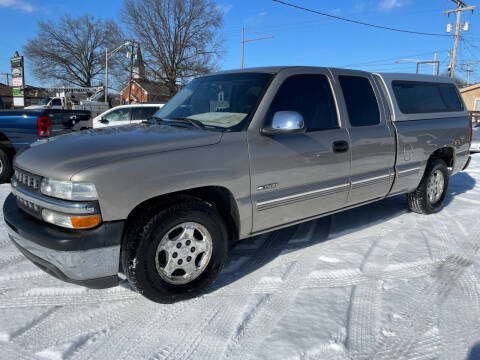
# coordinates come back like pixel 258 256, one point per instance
pixel 163 262
pixel 429 196
pixel 5 167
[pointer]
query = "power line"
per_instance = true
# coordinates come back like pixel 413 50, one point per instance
pixel 394 58
pixel 359 22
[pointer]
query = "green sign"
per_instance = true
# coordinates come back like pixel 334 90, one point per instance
pixel 17 92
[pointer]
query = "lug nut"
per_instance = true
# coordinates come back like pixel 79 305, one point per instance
pixel 179 245
pixel 174 255
pixel 189 258
pixel 192 249
pixel 180 262
pixel 187 242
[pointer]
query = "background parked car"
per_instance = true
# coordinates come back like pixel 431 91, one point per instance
pixel 125 115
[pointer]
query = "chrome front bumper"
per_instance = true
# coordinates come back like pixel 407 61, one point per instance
pixel 77 266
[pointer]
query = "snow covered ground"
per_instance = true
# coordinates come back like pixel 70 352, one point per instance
pixel 376 282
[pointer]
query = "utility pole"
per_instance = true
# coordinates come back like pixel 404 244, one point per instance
pixel 250 40
pixel 461 6
pixel 131 72
pixel 105 92
pixel 7 75
pixel 469 70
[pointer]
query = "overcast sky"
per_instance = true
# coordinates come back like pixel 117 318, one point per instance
pixel 300 38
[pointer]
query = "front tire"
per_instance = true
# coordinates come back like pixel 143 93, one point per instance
pixel 175 253
pixel 429 196
pixel 5 167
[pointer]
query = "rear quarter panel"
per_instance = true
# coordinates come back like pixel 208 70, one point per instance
pixel 420 135
pixel 419 139
pixel 20 127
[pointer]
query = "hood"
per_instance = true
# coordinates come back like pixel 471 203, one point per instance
pixel 62 156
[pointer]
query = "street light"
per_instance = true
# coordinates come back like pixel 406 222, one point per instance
pixel 108 57
pixel 434 62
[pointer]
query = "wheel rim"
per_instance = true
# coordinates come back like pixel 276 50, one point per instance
pixel 1 167
pixel 183 253
pixel 435 186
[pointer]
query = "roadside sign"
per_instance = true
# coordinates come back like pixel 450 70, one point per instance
pixel 17 82
pixel 17 72
pixel 18 101
pixel 17 92
pixel 17 61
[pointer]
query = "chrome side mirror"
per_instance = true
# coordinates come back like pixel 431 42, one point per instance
pixel 285 122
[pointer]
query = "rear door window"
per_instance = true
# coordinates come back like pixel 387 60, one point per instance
pixel 415 97
pixel 362 105
pixel 143 112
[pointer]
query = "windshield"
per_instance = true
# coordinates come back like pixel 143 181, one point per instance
pixel 222 101
pixel 45 101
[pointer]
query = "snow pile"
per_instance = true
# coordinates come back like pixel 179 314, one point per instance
pixel 376 282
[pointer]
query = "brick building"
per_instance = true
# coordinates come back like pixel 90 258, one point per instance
pixel 141 89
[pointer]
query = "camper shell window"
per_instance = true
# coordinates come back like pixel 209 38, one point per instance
pixel 415 97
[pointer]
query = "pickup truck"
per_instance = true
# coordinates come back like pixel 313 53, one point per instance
pixel 20 128
pixel 232 155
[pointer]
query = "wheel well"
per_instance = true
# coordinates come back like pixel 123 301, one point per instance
pixel 446 154
pixel 7 146
pixel 217 196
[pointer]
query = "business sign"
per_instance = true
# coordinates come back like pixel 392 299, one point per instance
pixel 17 72
pixel 18 80
pixel 17 92
pixel 17 61
pixel 18 101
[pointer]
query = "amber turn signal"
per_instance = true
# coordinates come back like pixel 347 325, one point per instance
pixel 85 222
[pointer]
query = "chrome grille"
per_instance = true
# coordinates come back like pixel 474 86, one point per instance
pixel 28 204
pixel 27 180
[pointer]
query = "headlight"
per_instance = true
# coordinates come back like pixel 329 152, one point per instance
pixel 71 221
pixel 68 190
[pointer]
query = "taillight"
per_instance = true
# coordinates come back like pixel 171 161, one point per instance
pixel 43 126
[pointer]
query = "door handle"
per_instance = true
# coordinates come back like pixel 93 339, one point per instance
pixel 340 146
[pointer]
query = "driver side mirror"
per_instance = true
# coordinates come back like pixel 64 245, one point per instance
pixel 285 122
pixel 104 121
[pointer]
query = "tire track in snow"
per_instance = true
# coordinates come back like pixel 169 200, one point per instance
pixel 268 251
pixel 11 259
pixel 10 351
pixel 262 314
pixel 463 315
pixel 418 314
pixel 68 323
pixel 67 296
pixel 151 320
pixel 365 303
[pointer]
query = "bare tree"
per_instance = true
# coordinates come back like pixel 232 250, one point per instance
pixel 180 39
pixel 72 50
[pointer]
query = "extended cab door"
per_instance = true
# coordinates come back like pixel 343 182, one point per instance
pixel 372 137
pixel 298 176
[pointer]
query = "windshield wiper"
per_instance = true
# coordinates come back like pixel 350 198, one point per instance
pixel 184 120
pixel 196 123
